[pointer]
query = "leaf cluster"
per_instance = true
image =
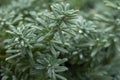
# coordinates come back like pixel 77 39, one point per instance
pixel 59 43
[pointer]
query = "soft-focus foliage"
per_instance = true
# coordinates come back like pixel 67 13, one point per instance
pixel 49 40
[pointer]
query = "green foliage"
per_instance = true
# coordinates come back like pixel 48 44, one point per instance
pixel 54 42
